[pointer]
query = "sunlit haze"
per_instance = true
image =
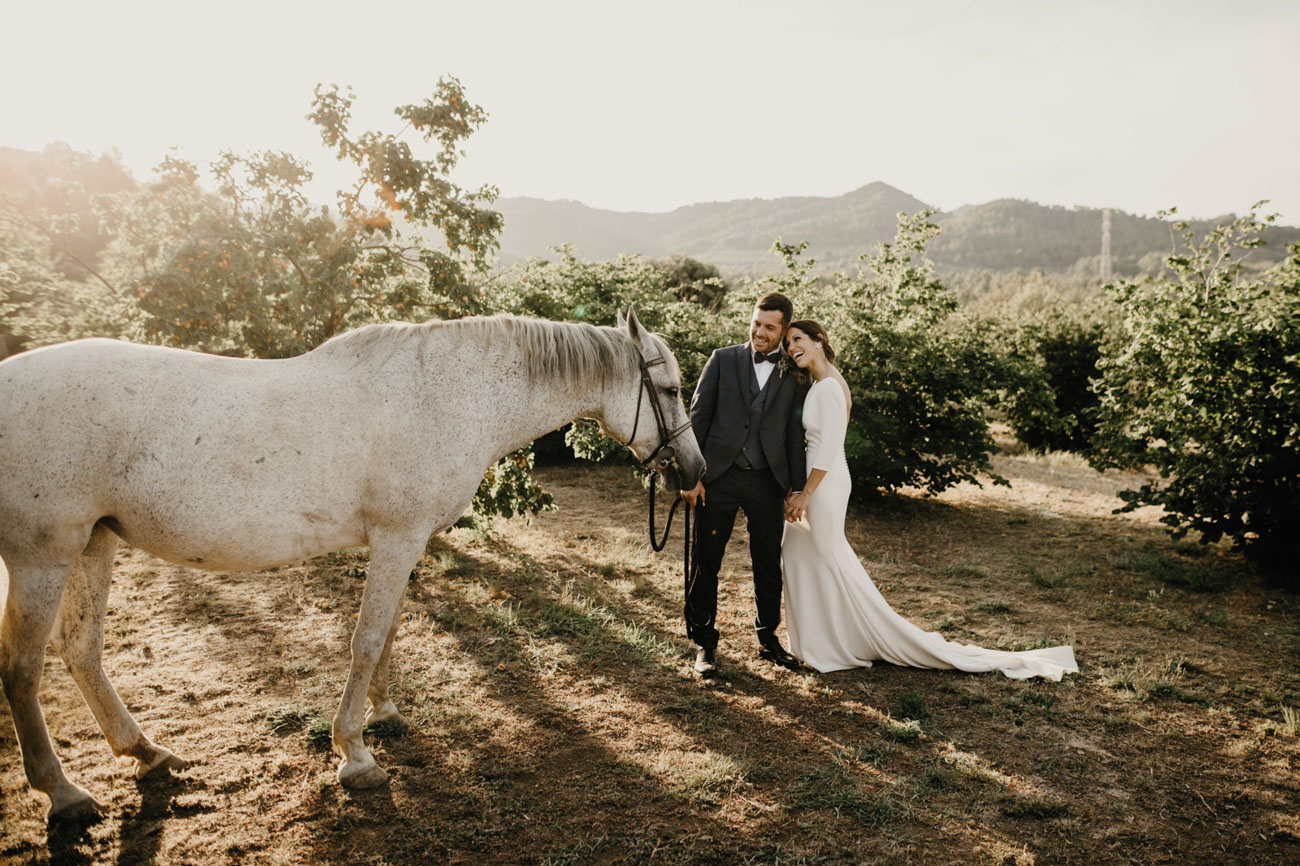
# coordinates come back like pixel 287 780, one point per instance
pixel 651 106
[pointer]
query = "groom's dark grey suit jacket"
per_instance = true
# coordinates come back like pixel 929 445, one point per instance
pixel 720 416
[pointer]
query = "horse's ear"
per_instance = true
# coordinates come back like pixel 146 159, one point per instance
pixel 634 329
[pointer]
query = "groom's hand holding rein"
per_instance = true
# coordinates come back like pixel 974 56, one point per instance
pixel 695 496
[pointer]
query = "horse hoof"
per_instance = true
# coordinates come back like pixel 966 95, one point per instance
pixel 386 713
pixel 78 809
pixel 161 765
pixel 368 777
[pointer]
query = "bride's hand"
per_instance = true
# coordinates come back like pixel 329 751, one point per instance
pixel 796 505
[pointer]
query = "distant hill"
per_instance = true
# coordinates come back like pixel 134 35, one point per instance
pixel 737 236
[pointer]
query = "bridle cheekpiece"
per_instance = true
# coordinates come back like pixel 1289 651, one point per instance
pixel 665 454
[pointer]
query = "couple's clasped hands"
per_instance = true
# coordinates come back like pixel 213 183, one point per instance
pixel 796 505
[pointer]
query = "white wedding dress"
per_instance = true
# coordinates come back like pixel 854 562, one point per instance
pixel 835 616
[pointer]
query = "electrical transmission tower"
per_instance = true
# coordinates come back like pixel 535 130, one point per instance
pixel 1106 273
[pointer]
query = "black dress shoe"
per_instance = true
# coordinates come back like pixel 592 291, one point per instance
pixel 705 663
pixel 773 652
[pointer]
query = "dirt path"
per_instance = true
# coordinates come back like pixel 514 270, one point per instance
pixel 543 674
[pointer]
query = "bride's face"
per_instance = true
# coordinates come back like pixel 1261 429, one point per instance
pixel 801 348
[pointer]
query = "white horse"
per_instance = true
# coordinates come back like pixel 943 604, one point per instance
pixel 378 437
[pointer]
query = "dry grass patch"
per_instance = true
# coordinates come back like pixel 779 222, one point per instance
pixel 551 716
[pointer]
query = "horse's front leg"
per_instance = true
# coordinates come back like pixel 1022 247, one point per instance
pixel 391 559
pixel 25 626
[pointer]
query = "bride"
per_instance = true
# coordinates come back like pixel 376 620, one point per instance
pixel 835 616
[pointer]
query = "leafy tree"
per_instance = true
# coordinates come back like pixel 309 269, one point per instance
pixel 254 269
pixel 50 239
pixel 920 376
pixel 52 193
pixel 1202 381
pixel 577 290
pixel 695 281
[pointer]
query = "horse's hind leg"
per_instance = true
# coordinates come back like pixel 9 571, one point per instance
pixel 382 708
pixel 29 613
pixel 79 639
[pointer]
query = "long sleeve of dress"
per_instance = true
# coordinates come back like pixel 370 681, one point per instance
pixel 825 422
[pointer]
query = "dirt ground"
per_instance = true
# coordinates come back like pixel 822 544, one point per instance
pixel 551 718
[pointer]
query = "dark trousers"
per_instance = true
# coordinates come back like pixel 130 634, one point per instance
pixel 757 492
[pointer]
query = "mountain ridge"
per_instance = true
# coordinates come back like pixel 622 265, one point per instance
pixel 736 236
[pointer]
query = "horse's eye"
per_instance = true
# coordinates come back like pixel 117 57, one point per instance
pixel 672 391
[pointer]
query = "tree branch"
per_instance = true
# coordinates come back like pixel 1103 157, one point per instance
pixel 53 238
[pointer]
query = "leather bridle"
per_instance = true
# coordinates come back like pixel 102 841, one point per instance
pixel 660 459
pixel 665 454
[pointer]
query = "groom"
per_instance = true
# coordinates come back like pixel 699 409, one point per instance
pixel 746 417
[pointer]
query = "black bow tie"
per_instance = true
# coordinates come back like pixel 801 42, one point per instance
pixel 759 357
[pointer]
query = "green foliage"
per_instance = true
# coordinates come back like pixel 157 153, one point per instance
pixel 38 305
pixel 508 488
pixel 1054 407
pixel 254 269
pixel 920 376
pixel 53 193
pixel 1202 381
pixel 571 289
pixel 695 281
pixel 50 240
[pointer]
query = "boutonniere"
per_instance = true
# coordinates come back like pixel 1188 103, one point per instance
pixel 783 366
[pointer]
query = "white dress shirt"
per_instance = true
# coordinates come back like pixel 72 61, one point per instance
pixel 763 371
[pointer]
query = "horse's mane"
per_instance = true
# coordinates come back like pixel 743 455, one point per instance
pixel 572 352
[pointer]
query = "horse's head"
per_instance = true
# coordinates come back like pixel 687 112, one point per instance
pixel 648 414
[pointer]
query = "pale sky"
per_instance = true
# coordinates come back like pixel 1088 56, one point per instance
pixel 653 105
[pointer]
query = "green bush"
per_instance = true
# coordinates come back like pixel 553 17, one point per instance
pixel 1202 381
pixel 567 288
pixel 1054 409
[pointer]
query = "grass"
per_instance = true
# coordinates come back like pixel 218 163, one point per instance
pixel 317 728
pixel 1142 683
pixel 908 731
pixel 1185 565
pixel 1056 576
pixel 912 706
pixel 704 778
pixel 554 718
pixel 1033 806
pixel 1290 721
pixel 833 788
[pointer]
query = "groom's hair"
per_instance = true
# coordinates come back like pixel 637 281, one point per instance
pixel 777 301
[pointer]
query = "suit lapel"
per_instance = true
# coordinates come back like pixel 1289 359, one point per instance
pixel 743 368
